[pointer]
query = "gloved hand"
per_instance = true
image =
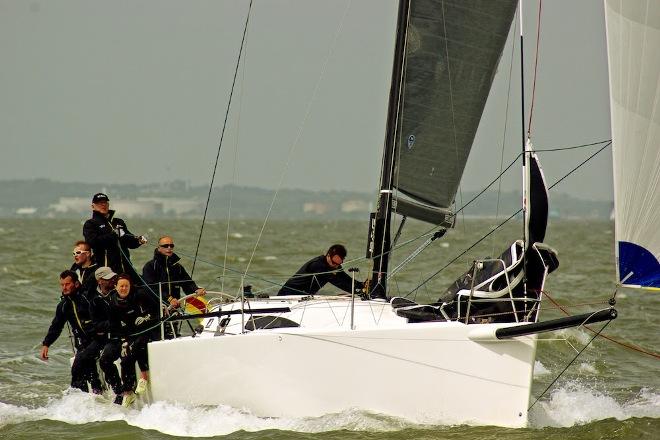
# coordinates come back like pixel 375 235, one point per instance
pixel 124 349
pixel 142 319
pixel 142 239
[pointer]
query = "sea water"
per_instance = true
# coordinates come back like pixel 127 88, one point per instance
pixel 607 392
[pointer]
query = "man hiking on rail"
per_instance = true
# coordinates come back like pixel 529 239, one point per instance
pixel 106 331
pixel 74 309
pixel 321 270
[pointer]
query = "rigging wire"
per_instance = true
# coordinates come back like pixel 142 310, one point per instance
pixel 425 234
pixel 386 192
pixel 549 150
pixel 569 364
pixel 504 222
pixel 234 172
pixel 451 105
pixel 498 177
pixel 222 135
pixel 604 336
pixel 396 171
pixel 536 64
pixel 294 145
pixel 506 124
pixel 536 150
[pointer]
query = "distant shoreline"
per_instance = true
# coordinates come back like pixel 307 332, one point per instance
pixel 43 198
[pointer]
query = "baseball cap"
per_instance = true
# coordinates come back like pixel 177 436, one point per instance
pixel 100 197
pixel 104 272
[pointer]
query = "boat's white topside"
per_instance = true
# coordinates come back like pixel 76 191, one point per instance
pixel 437 371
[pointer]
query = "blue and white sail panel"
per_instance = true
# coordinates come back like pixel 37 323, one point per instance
pixel 633 45
pixel 452 51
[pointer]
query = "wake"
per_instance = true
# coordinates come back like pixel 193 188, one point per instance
pixel 571 405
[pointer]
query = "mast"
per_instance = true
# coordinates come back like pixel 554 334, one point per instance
pixel 522 121
pixel 524 146
pixel 379 230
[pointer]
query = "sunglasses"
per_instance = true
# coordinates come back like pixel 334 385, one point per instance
pixel 76 253
pixel 167 245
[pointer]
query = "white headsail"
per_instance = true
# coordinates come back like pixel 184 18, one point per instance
pixel 633 41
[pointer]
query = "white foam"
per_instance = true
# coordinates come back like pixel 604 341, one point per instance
pixel 76 407
pixel 586 367
pixel 539 369
pixel 576 404
pixel 574 334
pixel 270 258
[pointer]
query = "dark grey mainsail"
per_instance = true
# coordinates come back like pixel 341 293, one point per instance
pixel 452 51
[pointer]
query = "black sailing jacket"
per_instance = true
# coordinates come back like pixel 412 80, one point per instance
pixel 315 274
pixel 86 278
pixel 104 326
pixel 74 309
pixel 110 249
pixel 169 272
pixel 136 314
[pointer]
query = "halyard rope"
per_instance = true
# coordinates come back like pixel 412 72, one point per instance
pixel 222 135
pixel 299 133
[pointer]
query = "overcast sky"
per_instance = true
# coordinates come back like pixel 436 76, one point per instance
pixel 136 91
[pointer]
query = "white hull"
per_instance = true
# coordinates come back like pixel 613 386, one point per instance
pixel 425 372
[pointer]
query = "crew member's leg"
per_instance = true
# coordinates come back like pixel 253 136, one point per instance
pixel 107 360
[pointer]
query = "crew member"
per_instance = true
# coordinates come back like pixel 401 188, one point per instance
pixel 109 237
pixel 74 309
pixel 84 266
pixel 165 274
pixel 106 331
pixel 135 313
pixel 321 270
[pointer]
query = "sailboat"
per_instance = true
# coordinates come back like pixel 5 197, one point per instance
pixel 469 357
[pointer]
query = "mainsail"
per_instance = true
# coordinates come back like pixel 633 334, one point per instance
pixel 445 59
pixel 633 37
pixel 452 51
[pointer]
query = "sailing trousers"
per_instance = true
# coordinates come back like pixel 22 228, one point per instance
pixel 135 350
pixel 83 369
pixel 109 352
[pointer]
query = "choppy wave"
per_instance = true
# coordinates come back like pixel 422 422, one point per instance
pixel 75 407
pixel 577 404
pixel 569 406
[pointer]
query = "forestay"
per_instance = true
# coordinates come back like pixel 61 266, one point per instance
pixel 452 51
pixel 633 37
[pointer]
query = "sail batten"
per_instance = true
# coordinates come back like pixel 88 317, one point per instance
pixel 633 34
pixel 452 52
